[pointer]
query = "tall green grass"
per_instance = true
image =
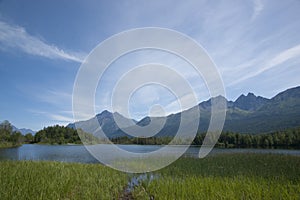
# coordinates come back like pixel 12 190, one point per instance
pixel 226 176
pixel 232 176
pixel 54 180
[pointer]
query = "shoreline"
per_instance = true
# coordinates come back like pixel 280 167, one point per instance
pixel 162 145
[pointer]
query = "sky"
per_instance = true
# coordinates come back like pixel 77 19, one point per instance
pixel 255 45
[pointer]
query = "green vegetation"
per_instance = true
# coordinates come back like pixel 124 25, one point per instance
pixel 50 135
pixel 231 176
pixel 57 135
pixel 8 137
pixel 53 180
pixel 64 135
pixel 226 176
pixel 289 138
pixel 142 141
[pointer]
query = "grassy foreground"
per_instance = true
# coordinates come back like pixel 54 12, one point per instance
pixel 232 176
pixel 227 176
pixel 54 180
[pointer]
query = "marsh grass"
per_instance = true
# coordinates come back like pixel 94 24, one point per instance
pixel 232 176
pixel 54 180
pixel 226 176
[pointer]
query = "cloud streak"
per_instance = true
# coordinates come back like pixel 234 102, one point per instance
pixel 278 59
pixel 62 117
pixel 258 7
pixel 284 56
pixel 16 37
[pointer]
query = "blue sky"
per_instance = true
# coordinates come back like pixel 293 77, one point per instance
pixel 255 45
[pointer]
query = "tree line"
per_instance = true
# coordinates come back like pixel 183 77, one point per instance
pixel 48 135
pixel 289 138
pixel 64 135
pixel 10 138
pixel 56 135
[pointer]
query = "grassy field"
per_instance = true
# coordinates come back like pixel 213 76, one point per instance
pixel 233 176
pixel 53 180
pixel 229 176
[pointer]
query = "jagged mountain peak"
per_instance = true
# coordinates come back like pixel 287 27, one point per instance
pixel 248 96
pixel 250 102
pixel 104 114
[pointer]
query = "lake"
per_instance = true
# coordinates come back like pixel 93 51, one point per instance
pixel 78 153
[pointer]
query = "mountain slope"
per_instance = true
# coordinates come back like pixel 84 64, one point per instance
pixel 23 131
pixel 106 122
pixel 248 114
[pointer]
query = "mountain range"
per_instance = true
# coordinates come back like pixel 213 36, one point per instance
pixel 23 131
pixel 247 114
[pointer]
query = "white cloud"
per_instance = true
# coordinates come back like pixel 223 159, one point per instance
pixel 258 7
pixel 16 37
pixel 276 60
pixel 182 103
pixel 61 118
pixel 54 97
pixel 284 56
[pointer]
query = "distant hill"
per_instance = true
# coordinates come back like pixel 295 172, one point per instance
pixel 104 121
pixel 248 114
pixel 23 131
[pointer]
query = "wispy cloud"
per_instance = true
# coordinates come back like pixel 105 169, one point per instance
pixel 16 37
pixel 62 117
pixel 258 7
pixel 276 60
pixel 284 56
pixel 55 96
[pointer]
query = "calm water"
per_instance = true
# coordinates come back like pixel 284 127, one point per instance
pixel 78 153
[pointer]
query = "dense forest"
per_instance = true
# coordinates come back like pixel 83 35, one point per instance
pixel 64 135
pixel 56 135
pixel 289 138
